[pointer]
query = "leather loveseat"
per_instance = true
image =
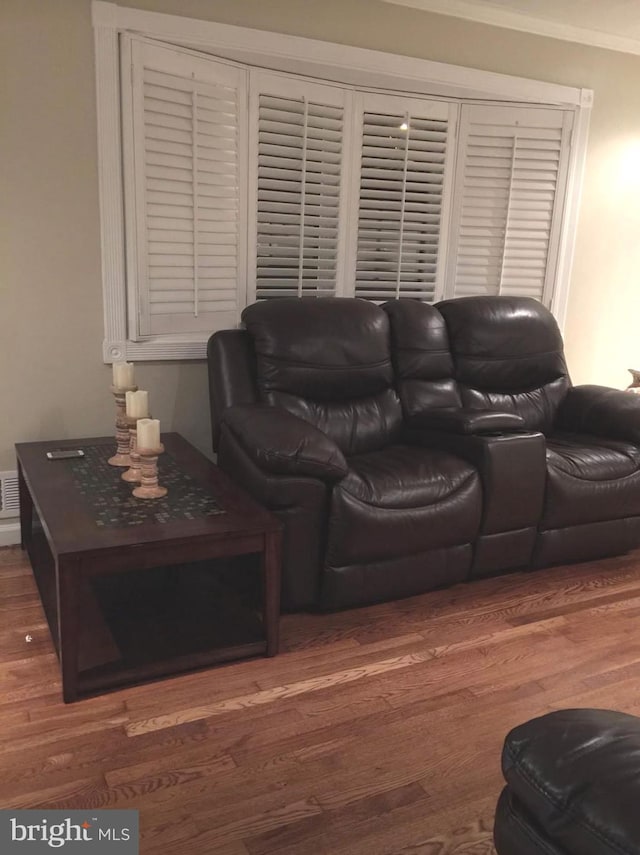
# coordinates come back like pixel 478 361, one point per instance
pixel 408 446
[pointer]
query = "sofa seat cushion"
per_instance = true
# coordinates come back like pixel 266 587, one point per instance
pixel 403 476
pixel 402 500
pixel 592 458
pixel 590 479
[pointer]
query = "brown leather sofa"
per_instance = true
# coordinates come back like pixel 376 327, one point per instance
pixel 407 446
pixel 573 783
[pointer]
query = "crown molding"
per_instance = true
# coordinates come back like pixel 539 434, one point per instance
pixel 496 17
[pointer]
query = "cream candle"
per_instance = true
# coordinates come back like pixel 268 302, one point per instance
pixel 137 404
pixel 148 431
pixel 123 375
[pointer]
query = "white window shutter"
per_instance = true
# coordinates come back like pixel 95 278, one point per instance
pixel 296 181
pixel 509 196
pixel 402 197
pixel 188 262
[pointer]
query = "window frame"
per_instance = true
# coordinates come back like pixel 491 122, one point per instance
pixel 307 57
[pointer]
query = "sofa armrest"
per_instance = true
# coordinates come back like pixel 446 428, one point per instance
pixel 283 444
pixel 300 503
pixel 601 411
pixel 468 422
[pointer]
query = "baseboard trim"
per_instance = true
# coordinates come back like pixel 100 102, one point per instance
pixel 9 533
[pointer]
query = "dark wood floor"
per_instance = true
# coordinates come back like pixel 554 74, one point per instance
pixel 375 732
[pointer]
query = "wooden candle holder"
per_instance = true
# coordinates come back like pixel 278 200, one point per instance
pixel 149 487
pixel 123 440
pixel 133 473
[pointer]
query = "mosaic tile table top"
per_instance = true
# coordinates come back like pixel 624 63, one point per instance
pixel 113 504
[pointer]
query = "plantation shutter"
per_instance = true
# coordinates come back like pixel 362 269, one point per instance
pixel 509 196
pixel 298 130
pixel 402 197
pixel 185 192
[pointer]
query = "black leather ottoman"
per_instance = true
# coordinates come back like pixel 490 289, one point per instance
pixel 573 786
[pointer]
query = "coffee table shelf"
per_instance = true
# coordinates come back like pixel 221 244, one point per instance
pixel 132 601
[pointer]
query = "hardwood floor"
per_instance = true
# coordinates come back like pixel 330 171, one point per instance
pixel 376 732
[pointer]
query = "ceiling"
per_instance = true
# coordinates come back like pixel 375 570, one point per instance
pixel 611 24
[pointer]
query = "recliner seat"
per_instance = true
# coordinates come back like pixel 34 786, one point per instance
pixel 410 446
pixel 592 504
pixel 400 519
pixel 583 490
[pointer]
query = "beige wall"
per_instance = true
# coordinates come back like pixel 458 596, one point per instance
pixel 52 379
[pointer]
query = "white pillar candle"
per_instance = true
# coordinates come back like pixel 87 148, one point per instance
pixel 148 431
pixel 123 374
pixel 137 404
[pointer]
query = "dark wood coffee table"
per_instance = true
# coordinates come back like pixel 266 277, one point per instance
pixel 129 586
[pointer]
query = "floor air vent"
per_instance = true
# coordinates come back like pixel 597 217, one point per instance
pixel 9 498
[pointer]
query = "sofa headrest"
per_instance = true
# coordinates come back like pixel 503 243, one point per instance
pixel 420 341
pixel 503 343
pixel 324 349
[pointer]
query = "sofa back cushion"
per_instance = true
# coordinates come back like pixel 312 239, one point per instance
pixel 421 356
pixel 508 355
pixel 328 361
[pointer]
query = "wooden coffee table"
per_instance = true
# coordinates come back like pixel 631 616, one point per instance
pixel 129 586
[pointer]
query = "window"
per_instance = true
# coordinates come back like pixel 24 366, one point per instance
pixel 508 201
pixel 297 186
pixel 185 191
pixel 403 154
pixel 239 183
